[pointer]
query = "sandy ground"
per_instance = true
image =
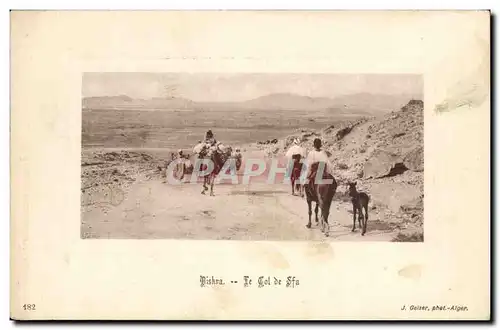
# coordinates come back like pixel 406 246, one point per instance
pixel 125 196
pixel 150 208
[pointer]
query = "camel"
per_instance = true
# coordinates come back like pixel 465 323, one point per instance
pixel 218 158
pixel 322 194
pixel 296 172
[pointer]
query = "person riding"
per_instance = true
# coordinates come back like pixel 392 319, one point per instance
pixel 238 157
pixel 296 156
pixel 317 155
pixel 236 154
pixel 210 139
pixel 212 143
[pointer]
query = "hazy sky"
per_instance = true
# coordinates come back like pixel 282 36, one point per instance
pixel 240 87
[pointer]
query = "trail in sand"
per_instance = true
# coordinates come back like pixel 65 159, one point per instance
pixel 152 208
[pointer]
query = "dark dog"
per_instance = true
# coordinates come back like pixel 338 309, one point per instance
pixel 359 202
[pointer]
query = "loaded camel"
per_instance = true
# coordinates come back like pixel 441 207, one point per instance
pixel 218 157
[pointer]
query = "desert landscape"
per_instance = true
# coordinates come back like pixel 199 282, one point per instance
pixel 373 139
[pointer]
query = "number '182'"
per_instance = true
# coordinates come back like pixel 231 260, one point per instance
pixel 29 307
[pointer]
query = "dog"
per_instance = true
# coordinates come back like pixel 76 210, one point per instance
pixel 359 202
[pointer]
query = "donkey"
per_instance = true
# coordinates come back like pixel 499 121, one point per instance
pixel 359 201
pixel 322 194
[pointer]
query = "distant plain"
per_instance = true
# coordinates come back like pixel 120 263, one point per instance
pixel 181 129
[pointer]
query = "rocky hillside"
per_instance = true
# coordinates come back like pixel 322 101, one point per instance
pixel 385 156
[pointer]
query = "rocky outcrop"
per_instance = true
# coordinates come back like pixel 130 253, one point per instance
pixel 414 160
pixel 380 164
pixel 385 155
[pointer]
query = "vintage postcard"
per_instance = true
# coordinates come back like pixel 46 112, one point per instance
pixel 250 165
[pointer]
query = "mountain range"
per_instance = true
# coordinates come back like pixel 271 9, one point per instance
pixel 360 103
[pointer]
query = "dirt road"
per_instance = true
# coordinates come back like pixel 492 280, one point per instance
pixel 152 208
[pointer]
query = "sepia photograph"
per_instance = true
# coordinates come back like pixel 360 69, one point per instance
pixel 235 156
